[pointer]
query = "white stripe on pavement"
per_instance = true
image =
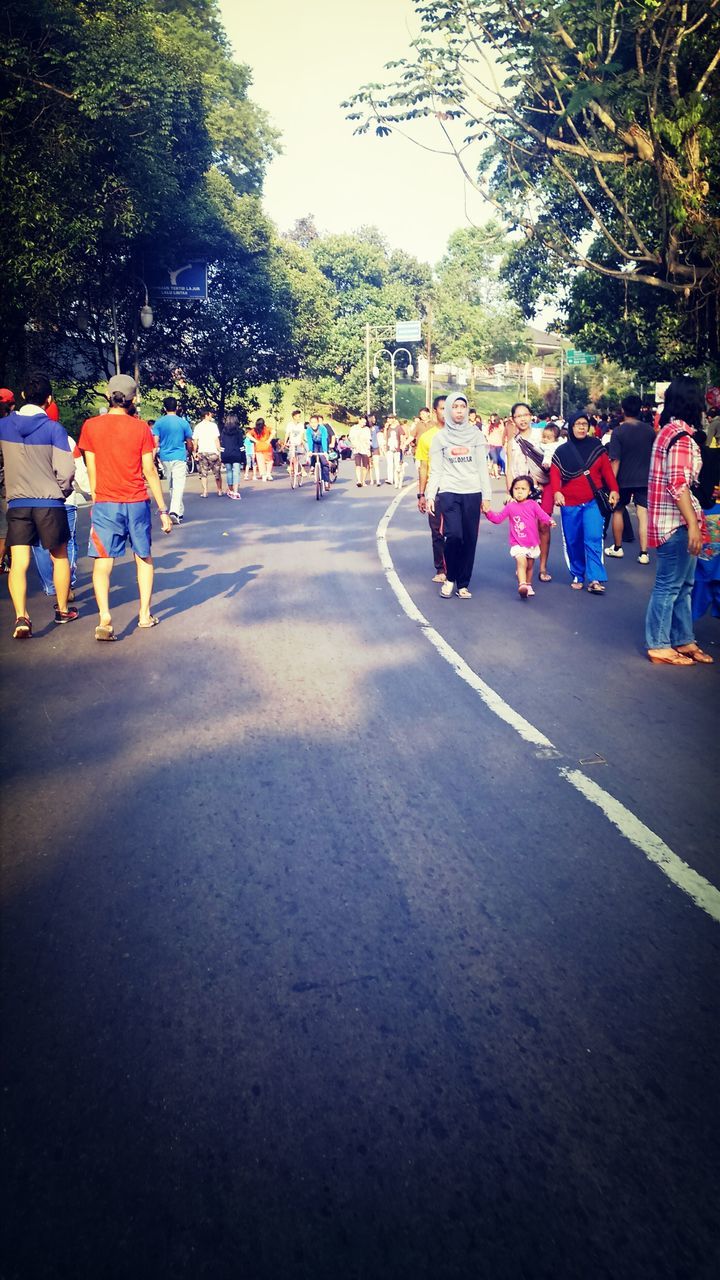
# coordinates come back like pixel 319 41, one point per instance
pixel 703 893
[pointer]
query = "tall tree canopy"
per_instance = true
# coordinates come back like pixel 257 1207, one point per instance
pixel 593 126
pixel 120 122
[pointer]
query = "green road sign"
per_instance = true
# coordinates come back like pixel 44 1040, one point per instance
pixel 580 357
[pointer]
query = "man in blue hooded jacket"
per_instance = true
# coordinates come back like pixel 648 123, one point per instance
pixel 39 470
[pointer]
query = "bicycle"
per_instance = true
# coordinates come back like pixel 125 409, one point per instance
pixel 318 475
pixel 296 471
pixel 191 463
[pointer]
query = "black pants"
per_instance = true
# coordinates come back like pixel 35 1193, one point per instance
pixel 460 515
pixel 438 542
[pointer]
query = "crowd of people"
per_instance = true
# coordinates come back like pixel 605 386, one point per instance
pixel 590 469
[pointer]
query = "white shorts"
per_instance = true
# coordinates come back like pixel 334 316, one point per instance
pixel 519 553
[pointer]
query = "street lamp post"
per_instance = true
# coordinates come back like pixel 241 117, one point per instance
pixel 383 351
pixel 375 331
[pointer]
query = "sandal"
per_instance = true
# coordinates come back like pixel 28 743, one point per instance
pixel 545 576
pixel 152 622
pixel 670 658
pixel 576 584
pixel 694 652
pixel 596 589
pixel 105 632
pixel 23 628
pixel 463 594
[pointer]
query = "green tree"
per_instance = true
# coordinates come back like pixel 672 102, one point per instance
pixel 593 127
pixel 115 114
pixel 474 318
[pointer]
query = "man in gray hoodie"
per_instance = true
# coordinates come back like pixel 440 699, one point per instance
pixel 39 470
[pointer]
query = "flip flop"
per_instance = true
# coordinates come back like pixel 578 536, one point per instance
pixel 679 660
pixel 596 589
pixel 545 577
pixel 145 626
pixel 694 652
pixel 105 633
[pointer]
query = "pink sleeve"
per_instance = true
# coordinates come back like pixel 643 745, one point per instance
pixel 497 517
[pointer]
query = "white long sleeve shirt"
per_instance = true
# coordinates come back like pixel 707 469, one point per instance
pixel 458 468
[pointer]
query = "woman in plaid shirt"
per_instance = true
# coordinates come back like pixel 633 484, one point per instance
pixel 675 527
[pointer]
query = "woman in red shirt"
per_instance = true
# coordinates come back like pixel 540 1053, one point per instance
pixel 582 521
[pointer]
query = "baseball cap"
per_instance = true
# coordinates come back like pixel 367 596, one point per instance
pixel 6 395
pixel 123 383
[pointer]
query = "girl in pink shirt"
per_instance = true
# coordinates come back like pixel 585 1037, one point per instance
pixel 523 513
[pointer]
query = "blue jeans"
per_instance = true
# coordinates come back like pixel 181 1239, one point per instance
pixel 582 528
pixel 232 473
pixel 43 559
pixel 668 622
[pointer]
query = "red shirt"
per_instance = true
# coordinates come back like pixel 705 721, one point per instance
pixel 118 443
pixel 578 491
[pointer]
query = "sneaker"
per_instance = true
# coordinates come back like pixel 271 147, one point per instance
pixel 174 518
pixel 179 519
pixel 440 577
pixel 464 594
pixel 68 616
pixel 530 591
pixel 643 558
pixel 447 589
pixel 616 552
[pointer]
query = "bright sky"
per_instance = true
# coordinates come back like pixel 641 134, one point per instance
pixel 306 59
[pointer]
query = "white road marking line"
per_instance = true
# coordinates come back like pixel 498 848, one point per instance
pixel 701 891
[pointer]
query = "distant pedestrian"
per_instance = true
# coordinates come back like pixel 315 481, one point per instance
pixel 263 450
pixel 231 445
pixel 526 516
pixel 39 469
pixel 459 486
pixel 174 438
pixel 630 447
pixel 206 441
pixel 42 558
pixel 376 437
pixel 118 449
pixel 360 436
pixel 250 462
pixel 676 527
pixel 394 440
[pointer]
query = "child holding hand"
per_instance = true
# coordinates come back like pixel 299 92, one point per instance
pixel 524 515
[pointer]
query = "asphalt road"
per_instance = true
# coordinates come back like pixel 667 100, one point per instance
pixel 312 969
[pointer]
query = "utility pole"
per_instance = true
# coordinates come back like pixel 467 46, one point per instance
pixel 562 381
pixel 367 369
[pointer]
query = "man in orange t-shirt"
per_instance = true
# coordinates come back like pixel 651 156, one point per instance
pixel 119 454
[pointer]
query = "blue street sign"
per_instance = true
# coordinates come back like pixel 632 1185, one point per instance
pixel 185 280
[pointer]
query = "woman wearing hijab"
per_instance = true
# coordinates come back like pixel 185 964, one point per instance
pixel 459 486
pixel 575 464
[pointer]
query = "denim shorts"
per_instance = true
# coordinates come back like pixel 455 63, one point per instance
pixel 115 524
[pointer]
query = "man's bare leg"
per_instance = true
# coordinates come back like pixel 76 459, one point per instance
pixel 61 575
pixel 145 575
pixel 618 524
pixel 17 579
pixel 642 516
pixel 102 568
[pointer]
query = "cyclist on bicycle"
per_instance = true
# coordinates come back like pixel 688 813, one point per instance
pixel 295 441
pixel 317 442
